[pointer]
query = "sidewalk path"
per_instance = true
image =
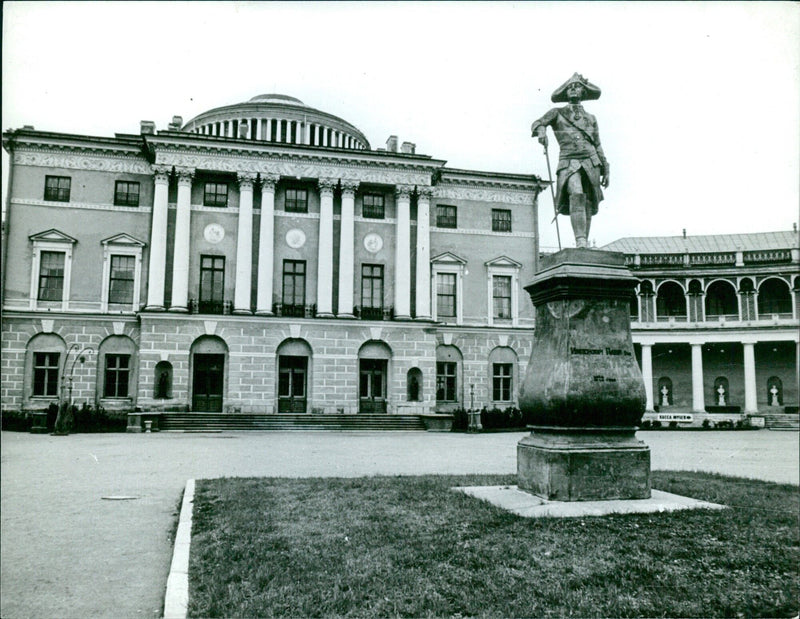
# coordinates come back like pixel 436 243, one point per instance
pixel 66 552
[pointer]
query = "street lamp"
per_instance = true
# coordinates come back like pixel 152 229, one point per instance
pixel 67 382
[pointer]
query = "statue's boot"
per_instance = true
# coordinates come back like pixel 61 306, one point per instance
pixel 578 218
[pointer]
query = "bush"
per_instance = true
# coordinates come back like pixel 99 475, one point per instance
pixel 460 420
pixel 16 421
pixel 673 425
pixel 646 424
pixel 89 419
pixel 497 419
pixel 656 424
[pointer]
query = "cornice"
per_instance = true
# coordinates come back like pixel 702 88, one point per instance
pixel 486 192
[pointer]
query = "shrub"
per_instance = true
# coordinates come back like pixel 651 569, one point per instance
pixel 460 419
pixel 706 424
pixel 656 424
pixel 16 421
pixel 673 425
pixel 646 424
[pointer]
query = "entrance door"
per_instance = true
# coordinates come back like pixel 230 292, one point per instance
pixel 207 384
pixel 372 386
pixel 292 373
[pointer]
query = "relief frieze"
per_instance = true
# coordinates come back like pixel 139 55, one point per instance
pixel 484 195
pixel 297 169
pixel 82 161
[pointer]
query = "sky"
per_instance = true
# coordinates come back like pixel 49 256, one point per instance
pixel 699 114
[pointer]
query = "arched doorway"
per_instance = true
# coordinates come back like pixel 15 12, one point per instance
pixel 208 355
pixel 373 373
pixel 294 356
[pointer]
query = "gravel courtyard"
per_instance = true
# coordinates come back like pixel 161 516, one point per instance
pixel 66 551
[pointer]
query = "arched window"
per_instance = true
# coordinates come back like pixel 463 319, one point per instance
pixel 448 376
pixel 774 391
pixel 671 301
pixel 503 375
pixel 163 380
pixel 665 396
pixel 774 297
pixel 44 358
pixel 116 368
pixel 721 300
pixel 414 385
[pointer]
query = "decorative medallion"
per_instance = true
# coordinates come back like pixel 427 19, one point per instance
pixel 214 233
pixel 295 238
pixel 373 243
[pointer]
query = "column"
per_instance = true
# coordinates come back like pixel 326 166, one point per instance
pixel 698 402
pixel 158 240
pixel 402 260
pixel 266 244
pixel 244 247
pixel 423 274
pixel 325 262
pixel 647 375
pixel 346 250
pixel 750 388
pixel 180 258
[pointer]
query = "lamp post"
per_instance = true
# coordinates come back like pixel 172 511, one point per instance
pixel 67 381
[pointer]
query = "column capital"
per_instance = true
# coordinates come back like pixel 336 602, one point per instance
pixel 268 181
pixel 184 175
pixel 161 173
pixel 246 180
pixel 425 193
pixel 350 187
pixel 403 191
pixel 327 185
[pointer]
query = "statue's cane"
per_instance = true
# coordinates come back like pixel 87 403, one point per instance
pixel 552 193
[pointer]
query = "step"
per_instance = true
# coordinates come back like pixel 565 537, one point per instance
pixel 240 421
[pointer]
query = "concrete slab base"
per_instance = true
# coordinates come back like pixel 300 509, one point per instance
pixel 522 503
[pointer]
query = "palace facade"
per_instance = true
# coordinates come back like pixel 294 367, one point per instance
pixel 264 258
pixel 261 258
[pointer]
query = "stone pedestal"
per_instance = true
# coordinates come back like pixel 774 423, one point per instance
pixel 583 390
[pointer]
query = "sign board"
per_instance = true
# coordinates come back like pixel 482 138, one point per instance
pixel 686 418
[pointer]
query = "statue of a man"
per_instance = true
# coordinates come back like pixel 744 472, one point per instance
pixel 582 167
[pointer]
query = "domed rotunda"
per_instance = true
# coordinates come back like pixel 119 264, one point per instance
pixel 278 118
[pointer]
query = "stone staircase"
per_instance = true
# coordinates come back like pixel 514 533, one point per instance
pixel 781 421
pixel 207 422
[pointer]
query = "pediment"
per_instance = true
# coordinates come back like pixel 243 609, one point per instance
pixel 504 261
pixel 447 258
pixel 123 239
pixel 53 236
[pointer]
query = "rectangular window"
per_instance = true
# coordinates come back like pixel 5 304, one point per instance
pixel 446 295
pixel 296 201
pixel 445 381
pixel 215 194
pixel 120 285
pixel 117 376
pixel 45 373
pixel 501 382
pixel 294 287
pixel 126 193
pixel 446 216
pixel 501 295
pixel 372 206
pixel 56 188
pixel 212 284
pixel 372 291
pixel 51 275
pixel 501 220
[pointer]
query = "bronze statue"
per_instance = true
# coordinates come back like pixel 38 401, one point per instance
pixel 582 171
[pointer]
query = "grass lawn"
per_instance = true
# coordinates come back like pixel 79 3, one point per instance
pixel 408 546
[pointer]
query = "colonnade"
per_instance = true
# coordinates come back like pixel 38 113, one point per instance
pixel 698 384
pixel 243 292
pixel 284 131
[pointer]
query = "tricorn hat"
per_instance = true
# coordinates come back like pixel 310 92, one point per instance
pixel 590 91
